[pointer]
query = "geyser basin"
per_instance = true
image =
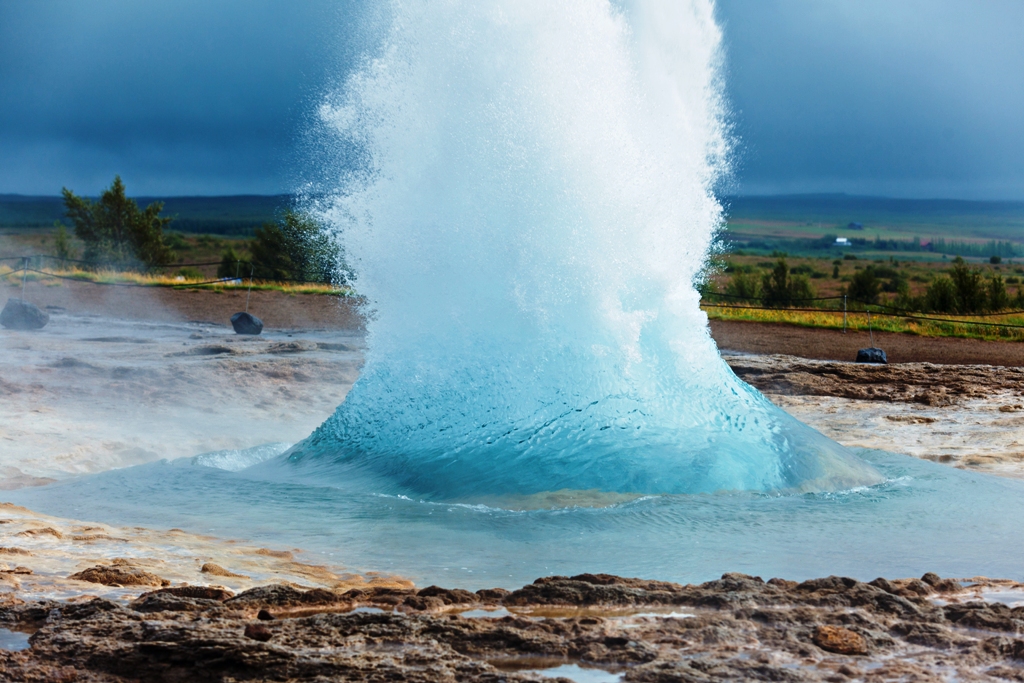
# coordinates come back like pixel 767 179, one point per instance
pixel 924 517
pixel 532 211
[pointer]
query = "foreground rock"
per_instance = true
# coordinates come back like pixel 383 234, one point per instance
pixel 119 573
pixel 19 314
pixel 736 628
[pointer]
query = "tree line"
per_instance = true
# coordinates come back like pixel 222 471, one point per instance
pixel 963 290
pixel 120 235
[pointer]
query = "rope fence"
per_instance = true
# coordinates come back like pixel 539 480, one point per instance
pixel 906 315
pixel 25 260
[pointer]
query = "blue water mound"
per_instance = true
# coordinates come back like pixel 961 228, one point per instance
pixel 448 441
pixel 533 213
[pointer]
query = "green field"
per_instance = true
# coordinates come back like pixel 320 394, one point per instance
pixel 809 224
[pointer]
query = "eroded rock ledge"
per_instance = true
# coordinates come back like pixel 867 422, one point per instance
pixel 736 628
pixel 922 383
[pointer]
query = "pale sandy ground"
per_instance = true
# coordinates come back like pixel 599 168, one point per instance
pixel 967 416
pixel 88 393
pixel 973 435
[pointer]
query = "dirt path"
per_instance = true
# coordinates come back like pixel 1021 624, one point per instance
pixel 790 340
pixel 277 310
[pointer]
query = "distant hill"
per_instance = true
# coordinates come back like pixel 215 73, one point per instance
pixel 230 215
pixel 983 220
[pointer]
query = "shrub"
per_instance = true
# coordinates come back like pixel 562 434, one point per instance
pixel 941 296
pixel 115 231
pixel 230 265
pixel 175 241
pixel 62 247
pixel 905 301
pixel 864 286
pixel 779 289
pixel 849 257
pixel 970 288
pixel 297 248
pixel 744 286
pixel 998 299
pixel 995 259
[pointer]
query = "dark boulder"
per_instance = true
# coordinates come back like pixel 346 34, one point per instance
pixel 872 355
pixel 246 323
pixel 21 315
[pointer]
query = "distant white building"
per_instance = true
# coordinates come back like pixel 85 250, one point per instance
pixel 842 242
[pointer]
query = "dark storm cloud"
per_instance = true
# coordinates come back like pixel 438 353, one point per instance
pixel 920 98
pixel 905 97
pixel 177 96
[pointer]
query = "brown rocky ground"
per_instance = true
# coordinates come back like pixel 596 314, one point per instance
pixel 735 628
pixel 922 383
pixel 277 310
pixel 803 342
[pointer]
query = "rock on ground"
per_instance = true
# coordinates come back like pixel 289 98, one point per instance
pixel 22 315
pixel 246 323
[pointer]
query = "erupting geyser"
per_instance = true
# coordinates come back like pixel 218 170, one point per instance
pixel 534 207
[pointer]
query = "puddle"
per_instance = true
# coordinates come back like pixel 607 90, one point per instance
pixel 366 610
pixel 486 613
pixel 555 667
pixel 13 640
pixel 664 615
pixel 575 672
pixel 1010 598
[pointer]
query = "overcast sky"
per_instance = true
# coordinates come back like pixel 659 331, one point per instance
pixel 911 98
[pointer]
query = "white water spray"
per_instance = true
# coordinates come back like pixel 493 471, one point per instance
pixel 534 211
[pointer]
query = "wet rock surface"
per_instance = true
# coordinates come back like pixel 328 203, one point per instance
pixel 736 628
pixel 119 573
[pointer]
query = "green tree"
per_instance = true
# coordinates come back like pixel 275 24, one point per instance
pixel 864 286
pixel 230 265
pixel 116 231
pixel 969 285
pixel 62 247
pixel 272 254
pixel 905 300
pixel 998 299
pixel 299 248
pixel 780 289
pixel 940 296
pixel 744 286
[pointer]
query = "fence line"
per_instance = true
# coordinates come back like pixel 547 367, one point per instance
pixel 890 315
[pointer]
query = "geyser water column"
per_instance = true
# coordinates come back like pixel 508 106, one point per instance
pixel 534 207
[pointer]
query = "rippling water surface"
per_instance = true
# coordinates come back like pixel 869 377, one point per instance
pixel 925 517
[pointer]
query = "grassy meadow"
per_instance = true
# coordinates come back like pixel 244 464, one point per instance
pixel 907 243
